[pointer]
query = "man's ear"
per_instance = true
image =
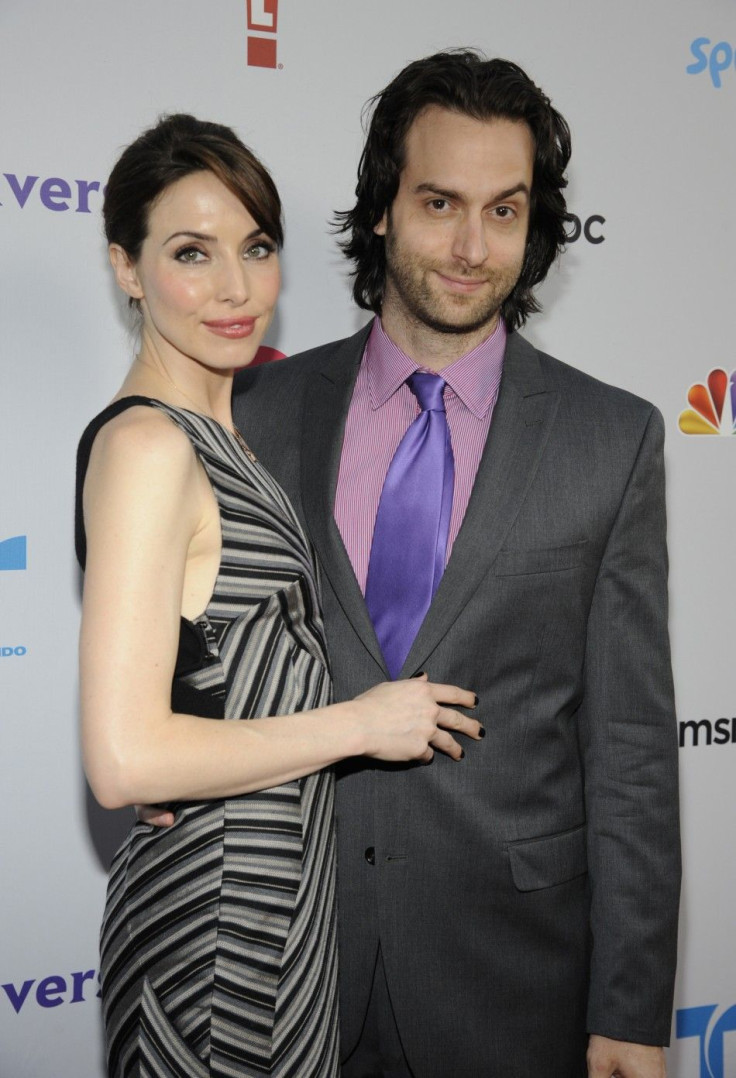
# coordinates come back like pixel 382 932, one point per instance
pixel 380 228
pixel 125 271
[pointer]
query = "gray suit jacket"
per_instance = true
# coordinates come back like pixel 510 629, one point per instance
pixel 527 894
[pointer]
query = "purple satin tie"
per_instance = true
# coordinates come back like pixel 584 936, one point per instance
pixel 412 524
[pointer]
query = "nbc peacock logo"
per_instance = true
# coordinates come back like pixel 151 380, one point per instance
pixel 712 405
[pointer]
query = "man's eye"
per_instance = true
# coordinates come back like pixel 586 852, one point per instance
pixel 189 254
pixel 439 203
pixel 504 211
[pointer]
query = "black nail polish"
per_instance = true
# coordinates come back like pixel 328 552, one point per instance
pixel 482 732
pixel 477 701
pixel 462 754
pixel 419 673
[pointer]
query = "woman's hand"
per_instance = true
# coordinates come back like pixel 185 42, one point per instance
pixel 408 720
pixel 394 721
pixel 154 815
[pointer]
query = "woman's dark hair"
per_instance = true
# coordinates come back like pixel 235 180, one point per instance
pixel 462 81
pixel 175 147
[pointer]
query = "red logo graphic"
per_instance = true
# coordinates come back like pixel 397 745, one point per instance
pixel 263 17
pixel 266 354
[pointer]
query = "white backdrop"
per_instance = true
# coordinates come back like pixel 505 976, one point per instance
pixel 650 93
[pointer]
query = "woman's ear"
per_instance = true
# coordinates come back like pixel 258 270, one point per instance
pixel 125 271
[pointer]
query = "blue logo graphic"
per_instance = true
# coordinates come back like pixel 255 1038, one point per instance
pixel 701 1022
pixel 53 991
pixel 54 192
pixel 720 58
pixel 13 553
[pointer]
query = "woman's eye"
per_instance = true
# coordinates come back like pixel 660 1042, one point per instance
pixel 438 203
pixel 504 211
pixel 189 254
pixel 258 251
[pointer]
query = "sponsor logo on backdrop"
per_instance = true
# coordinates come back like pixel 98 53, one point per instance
pixel 697 732
pixel 13 553
pixel 78 987
pixel 710 1024
pixel 52 193
pixel 7 652
pixel 263 18
pixel 712 405
pixel 588 228
pixel 715 59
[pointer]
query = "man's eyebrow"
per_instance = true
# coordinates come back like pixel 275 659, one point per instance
pixel 455 196
pixel 210 239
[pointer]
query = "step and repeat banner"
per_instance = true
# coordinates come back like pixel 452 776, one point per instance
pixel 643 298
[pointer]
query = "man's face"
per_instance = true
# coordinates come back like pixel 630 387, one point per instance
pixel 456 231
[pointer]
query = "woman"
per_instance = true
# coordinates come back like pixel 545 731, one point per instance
pixel 200 602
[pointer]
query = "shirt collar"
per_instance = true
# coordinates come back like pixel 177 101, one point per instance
pixel 474 377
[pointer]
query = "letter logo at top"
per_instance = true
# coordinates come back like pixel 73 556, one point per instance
pixel 13 553
pixel 263 15
pixel 263 19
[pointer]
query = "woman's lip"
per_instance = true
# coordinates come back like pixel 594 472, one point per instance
pixel 220 322
pixel 234 328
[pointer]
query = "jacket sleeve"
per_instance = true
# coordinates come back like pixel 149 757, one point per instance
pixel 629 746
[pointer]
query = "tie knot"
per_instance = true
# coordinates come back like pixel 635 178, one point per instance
pixel 428 389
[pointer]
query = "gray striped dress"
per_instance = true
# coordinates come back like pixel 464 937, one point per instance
pixel 218 940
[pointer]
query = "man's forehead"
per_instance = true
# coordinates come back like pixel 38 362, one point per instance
pixel 436 121
pixel 452 144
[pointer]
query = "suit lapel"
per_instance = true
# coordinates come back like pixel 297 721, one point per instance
pixel 522 420
pixel 326 405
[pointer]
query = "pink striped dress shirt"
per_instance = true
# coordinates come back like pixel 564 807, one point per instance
pixel 381 411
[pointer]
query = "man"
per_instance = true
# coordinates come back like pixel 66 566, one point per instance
pixel 496 915
pixel 502 914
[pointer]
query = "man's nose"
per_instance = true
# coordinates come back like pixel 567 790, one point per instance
pixel 470 241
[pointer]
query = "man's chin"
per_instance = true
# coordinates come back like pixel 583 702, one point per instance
pixel 460 327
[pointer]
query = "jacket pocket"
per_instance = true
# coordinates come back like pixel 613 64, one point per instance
pixel 542 560
pixel 548 860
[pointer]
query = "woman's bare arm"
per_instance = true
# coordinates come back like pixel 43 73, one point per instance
pixel 144 502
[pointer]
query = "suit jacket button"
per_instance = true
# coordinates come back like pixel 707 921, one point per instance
pixel 370 855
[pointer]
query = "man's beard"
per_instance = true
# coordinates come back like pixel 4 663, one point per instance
pixel 445 313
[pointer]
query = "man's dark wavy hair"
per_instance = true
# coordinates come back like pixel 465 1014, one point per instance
pixel 463 81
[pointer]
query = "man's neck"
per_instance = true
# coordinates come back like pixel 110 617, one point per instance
pixel 426 346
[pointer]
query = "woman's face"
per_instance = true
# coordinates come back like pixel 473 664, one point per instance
pixel 207 277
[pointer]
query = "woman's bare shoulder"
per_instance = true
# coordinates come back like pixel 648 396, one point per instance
pixel 142 436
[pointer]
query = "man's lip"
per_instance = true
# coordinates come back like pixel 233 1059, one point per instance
pixel 462 284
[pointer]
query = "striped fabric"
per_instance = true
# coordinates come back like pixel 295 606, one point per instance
pixel 381 411
pixel 218 941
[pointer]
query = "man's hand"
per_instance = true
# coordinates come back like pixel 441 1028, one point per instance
pixel 155 815
pixel 622 1059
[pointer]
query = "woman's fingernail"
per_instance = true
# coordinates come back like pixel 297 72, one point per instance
pixel 482 732
pixel 477 701
pixel 462 754
pixel 419 673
